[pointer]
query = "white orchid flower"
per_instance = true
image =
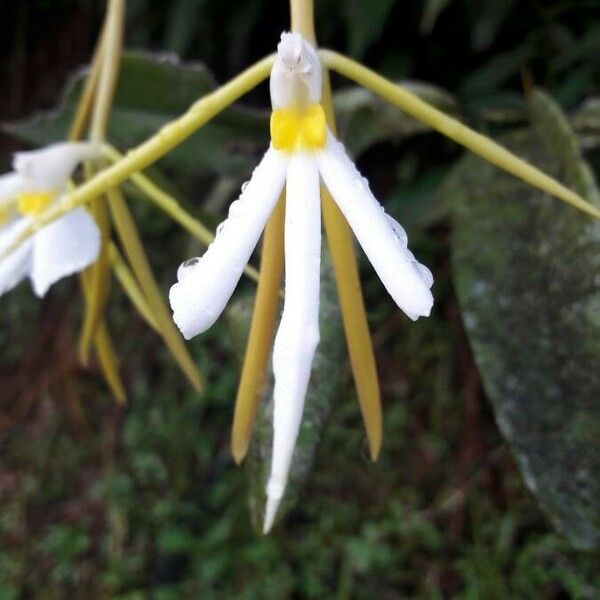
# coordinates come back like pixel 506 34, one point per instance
pixel 303 154
pixel 65 246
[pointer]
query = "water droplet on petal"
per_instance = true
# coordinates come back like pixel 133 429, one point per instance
pixel 186 267
pixel 425 274
pixel 244 186
pixel 359 182
pixel 398 230
pixel 238 209
pixel 410 256
pixel 220 227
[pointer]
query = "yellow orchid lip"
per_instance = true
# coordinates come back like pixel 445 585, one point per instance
pixel 294 129
pixel 33 204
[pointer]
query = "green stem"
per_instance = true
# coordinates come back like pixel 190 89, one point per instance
pixel 109 73
pixel 99 273
pixel 455 130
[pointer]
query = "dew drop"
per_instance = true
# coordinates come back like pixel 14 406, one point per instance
pixel 244 186
pixel 425 274
pixel 220 227
pixel 237 209
pixel 410 256
pixel 186 267
pixel 398 230
pixel 360 182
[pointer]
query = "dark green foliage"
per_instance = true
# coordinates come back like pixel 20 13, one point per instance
pixel 525 273
pixel 152 91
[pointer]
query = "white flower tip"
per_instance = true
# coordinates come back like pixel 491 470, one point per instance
pixel 274 495
pixel 419 306
pixel 296 62
pixel 270 512
pixel 51 166
pixel 418 301
pixel 185 314
pixel 191 312
pixel 290 50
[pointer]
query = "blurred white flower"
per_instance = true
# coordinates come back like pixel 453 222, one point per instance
pixel 303 153
pixel 67 245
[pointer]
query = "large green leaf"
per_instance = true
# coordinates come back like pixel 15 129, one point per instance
pixel 527 273
pixel 325 380
pixel 153 90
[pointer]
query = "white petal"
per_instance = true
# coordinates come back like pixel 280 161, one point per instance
pixel 15 267
pixel 50 167
pixel 298 333
pixel 296 74
pixel 66 246
pixel 11 185
pixel 205 286
pixel 383 243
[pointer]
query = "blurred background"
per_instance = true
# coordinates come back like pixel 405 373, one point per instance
pixel 144 501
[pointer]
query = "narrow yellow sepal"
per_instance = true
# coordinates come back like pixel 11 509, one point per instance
pixel 354 316
pixel 131 287
pixel 107 356
pixel 260 336
pixel 298 129
pixel 99 284
pixel 134 250
pixel 477 143
pixel 109 363
pixel 356 327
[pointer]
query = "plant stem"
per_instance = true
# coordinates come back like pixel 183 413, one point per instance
pixel 455 130
pixel 98 279
pixel 104 347
pixel 109 73
pixel 86 99
pixel 302 14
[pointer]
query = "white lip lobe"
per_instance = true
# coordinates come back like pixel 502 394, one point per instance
pixel 298 333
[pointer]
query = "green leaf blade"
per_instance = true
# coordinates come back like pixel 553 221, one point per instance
pixel 526 272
